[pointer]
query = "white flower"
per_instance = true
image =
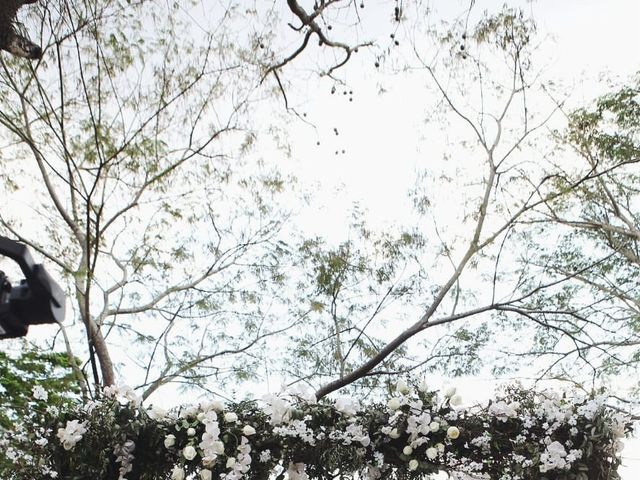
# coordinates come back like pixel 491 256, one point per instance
pixel 455 400
pixel 553 457
pixel 346 406
pixel 156 413
pixel 41 442
pixel 217 447
pixel 432 453
pixel 53 410
pixel 407 450
pixel 401 387
pixel 503 411
pixel 40 393
pixel 434 426
pixel 413 464
pixel 618 424
pixel 231 462
pixel 394 433
pixel 169 441
pixel 191 431
pixel 189 452
pixel 302 392
pixel 230 417
pixel 71 434
pixel 423 386
pixel 265 456
pixel 296 471
pixel 440 447
pixel 191 411
pixel 177 474
pixel 205 474
pixel 451 391
pixel 276 408
pixel 248 430
pixel 394 403
pixel 453 433
pixel 123 393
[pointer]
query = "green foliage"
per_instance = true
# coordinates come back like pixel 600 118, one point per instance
pixel 31 368
pixel 351 288
pixel 510 30
pixel 610 131
pixel 591 246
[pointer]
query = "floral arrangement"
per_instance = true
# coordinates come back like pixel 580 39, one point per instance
pixel 521 435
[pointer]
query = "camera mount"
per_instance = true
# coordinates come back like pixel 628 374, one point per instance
pixel 37 299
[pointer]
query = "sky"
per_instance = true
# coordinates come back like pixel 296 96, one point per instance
pixel 384 136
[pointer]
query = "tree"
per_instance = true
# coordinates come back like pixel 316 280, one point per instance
pixel 462 274
pixel 130 129
pixel 32 369
pixel 597 229
pixel 28 381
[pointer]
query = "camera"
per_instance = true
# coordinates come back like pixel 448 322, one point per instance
pixel 37 299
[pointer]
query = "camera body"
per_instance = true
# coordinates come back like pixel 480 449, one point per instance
pixel 37 299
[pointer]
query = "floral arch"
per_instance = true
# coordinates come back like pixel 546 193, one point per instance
pixel 520 435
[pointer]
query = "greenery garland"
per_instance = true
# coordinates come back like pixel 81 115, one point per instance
pixel 520 435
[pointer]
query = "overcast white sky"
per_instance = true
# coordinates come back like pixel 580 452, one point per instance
pixel 384 136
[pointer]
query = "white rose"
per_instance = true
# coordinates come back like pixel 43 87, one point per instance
pixel 205 474
pixel 434 426
pixel 248 430
pixel 440 447
pixel 394 433
pixel 413 464
pixel 231 462
pixel 450 392
pixel 217 405
pixel 230 417
pixel 407 450
pixel 177 474
pixel 191 432
pixel 453 433
pixel 189 452
pixel 169 441
pixel 394 403
pixel 432 453
pixel 455 400
pixel 217 447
